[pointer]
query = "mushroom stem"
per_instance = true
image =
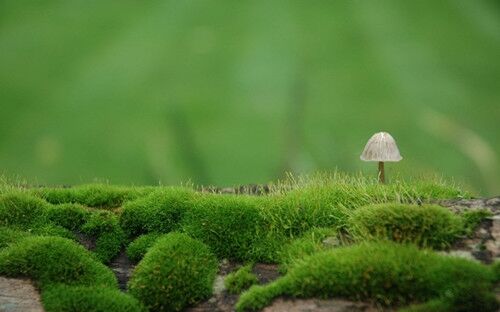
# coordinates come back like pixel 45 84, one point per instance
pixel 381 174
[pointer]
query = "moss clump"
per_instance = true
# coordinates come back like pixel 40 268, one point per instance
pixel 426 226
pixel 92 195
pixel 63 298
pixel 9 236
pixel 159 212
pixel 138 248
pixel 472 219
pixel 176 272
pixel 387 273
pixel 21 210
pixel 311 242
pixel 104 227
pixel 51 260
pixel 242 279
pixel 230 225
pixel 69 216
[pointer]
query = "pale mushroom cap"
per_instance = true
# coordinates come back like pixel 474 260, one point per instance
pixel 381 147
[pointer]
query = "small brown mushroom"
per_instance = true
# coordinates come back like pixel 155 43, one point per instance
pixel 381 147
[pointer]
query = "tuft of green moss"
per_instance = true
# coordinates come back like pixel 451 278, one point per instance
pixel 10 235
pixel 92 195
pixel 69 216
pixel 160 211
pixel 139 247
pixel 426 226
pixel 308 244
pixel 243 278
pixel 230 225
pixel 62 298
pixel 176 272
pixel 104 226
pixel 385 272
pixel 21 210
pixel 50 260
pixel 52 230
pixel 472 219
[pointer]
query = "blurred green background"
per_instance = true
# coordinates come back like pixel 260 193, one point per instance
pixel 235 92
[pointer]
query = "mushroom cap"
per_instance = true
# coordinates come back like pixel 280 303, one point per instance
pixel 381 147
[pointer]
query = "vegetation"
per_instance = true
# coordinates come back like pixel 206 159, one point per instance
pixel 387 273
pixel 236 282
pixel 472 219
pixel 62 298
pixel 140 246
pixel 176 272
pixel 426 226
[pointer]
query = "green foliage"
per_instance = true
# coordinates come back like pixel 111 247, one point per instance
pixel 21 210
pixel 138 248
pixel 69 216
pixel 63 298
pixel 229 225
pixel 50 260
pixel 387 273
pixel 160 211
pixel 236 282
pixel 53 230
pixel 496 270
pixel 105 228
pixel 9 236
pixel 311 242
pixel 426 226
pixel 92 195
pixel 472 219
pixel 176 272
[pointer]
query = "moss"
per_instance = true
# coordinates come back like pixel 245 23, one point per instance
pixel 230 225
pixel 21 210
pixel 63 298
pixel 311 242
pixel 92 195
pixel 50 260
pixel 9 236
pixel 426 226
pixel 159 212
pixel 138 248
pixel 104 227
pixel 53 230
pixel 69 216
pixel 495 267
pixel 238 281
pixel 472 219
pixel 384 272
pixel 176 272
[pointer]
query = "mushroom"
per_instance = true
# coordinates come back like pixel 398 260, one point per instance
pixel 381 147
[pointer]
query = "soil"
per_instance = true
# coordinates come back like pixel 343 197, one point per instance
pixel 123 268
pixel 19 295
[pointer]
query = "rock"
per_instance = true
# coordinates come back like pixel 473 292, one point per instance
pixel 19 295
pixel 331 242
pixel 218 286
pixel 318 305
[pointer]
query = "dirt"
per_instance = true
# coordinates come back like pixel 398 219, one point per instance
pixel 123 268
pixel 19 295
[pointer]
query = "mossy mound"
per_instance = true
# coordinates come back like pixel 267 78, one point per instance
pixel 426 225
pixel 176 272
pixel 384 272
pixel 243 278
pixel 139 247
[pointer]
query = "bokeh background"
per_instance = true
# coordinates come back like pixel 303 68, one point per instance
pixel 236 92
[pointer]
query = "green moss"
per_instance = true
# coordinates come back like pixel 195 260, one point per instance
pixel 138 248
pixel 472 219
pixel 160 212
pixel 311 242
pixel 21 210
pixel 92 195
pixel 89 299
pixel 176 272
pixel 50 260
pixel 104 227
pixel 387 273
pixel 9 236
pixel 238 281
pixel 230 225
pixel 496 270
pixel 69 216
pixel 426 226
pixel 53 230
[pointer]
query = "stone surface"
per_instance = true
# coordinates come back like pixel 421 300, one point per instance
pixel 123 268
pixel 19 295
pixel 318 305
